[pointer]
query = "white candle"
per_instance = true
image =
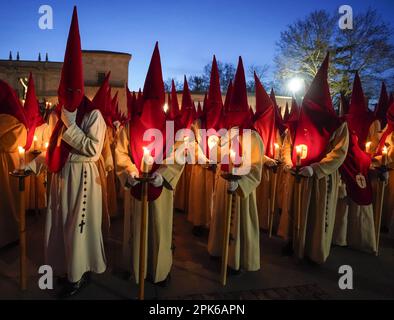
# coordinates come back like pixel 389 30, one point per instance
pixel 384 156
pixel 368 147
pixel 147 161
pixel 35 140
pixel 21 151
pixel 231 161
pixel 276 151
pixel 301 152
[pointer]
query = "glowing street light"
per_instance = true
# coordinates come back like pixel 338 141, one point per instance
pixel 295 85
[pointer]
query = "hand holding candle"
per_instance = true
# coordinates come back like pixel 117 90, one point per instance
pixel 147 161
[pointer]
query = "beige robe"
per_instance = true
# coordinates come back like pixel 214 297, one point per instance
pixel 244 246
pixel 160 216
pixel 12 134
pixel 112 188
pixel 354 224
pixel 73 237
pixel 319 197
pixel 37 199
pixel 265 191
pixel 388 199
pixel 201 194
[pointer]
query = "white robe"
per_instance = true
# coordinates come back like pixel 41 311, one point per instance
pixel 74 247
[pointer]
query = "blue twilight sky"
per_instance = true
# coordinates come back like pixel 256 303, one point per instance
pixel 189 31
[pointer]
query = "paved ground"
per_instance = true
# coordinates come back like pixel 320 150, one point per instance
pixel 195 275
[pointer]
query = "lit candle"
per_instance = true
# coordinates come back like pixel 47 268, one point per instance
pixel 384 156
pixel 165 107
pixel 186 145
pixel 46 146
pixel 301 152
pixel 147 161
pixel 35 139
pixel 231 161
pixel 276 151
pixel 368 147
pixel 21 151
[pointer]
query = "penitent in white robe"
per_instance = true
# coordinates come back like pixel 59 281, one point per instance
pixel 244 246
pixel 73 237
pixel 160 216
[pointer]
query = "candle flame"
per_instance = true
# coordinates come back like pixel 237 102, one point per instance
pixel 35 138
pixel 46 145
pixel 368 145
pixel 276 145
pixel 165 107
pixel 302 151
pixel 385 150
pixel 146 151
pixel 21 150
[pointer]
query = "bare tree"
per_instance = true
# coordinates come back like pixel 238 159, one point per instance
pixel 367 48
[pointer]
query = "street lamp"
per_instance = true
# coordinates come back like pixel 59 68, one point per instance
pixel 295 85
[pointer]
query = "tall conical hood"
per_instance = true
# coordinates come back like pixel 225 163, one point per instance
pixel 214 104
pixel 382 106
pixel 173 111
pixel 10 104
pixel 188 111
pixel 32 112
pixel 265 118
pixel 153 115
pixel 100 98
pixel 71 87
pixel 238 114
pixel 228 96
pixel 263 101
pixel 318 120
pixel 278 118
pixel 359 118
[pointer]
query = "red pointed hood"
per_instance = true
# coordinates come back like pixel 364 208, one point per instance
pixel 238 114
pixel 173 111
pixel 263 101
pixel 100 98
pixel 228 96
pixel 278 118
pixel 199 110
pixel 10 104
pixel 188 111
pixel 359 118
pixel 292 119
pixel 389 129
pixel 318 120
pixel 32 112
pixel 286 114
pixel 382 106
pixel 344 105
pixel 265 118
pixel 130 104
pixel 152 117
pixel 71 87
pixel 214 104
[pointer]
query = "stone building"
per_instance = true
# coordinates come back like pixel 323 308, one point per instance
pixel 46 74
